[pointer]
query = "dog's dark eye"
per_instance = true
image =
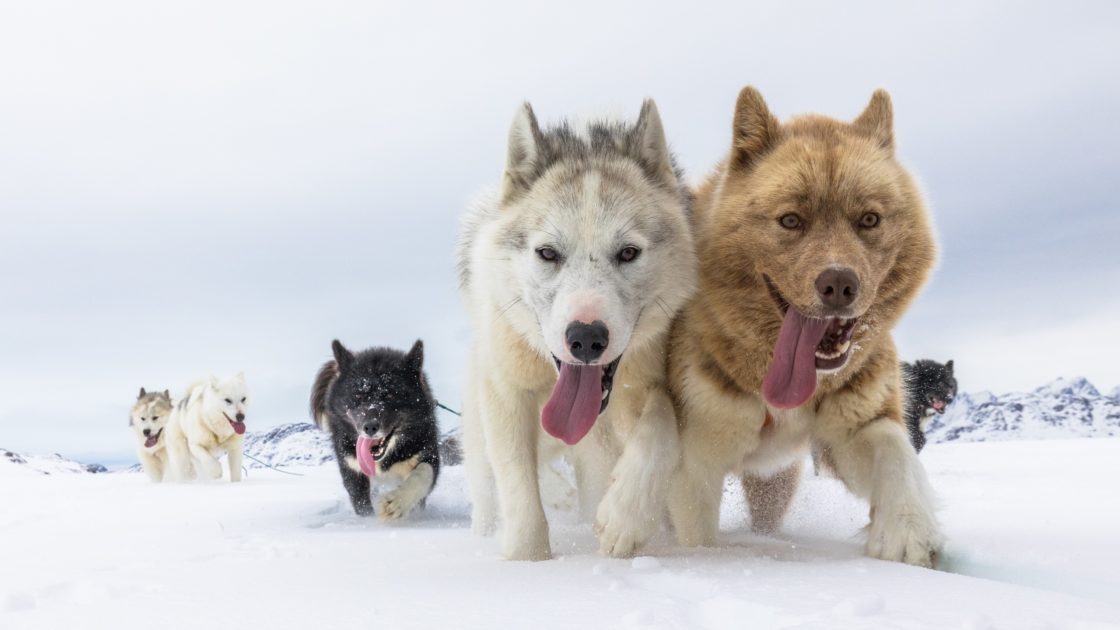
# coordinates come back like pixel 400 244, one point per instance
pixel 790 221
pixel 143 419
pixel 628 254
pixel 229 402
pixel 869 220
pixel 548 254
pixel 154 418
pixel 242 399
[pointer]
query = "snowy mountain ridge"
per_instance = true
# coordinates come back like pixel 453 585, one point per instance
pixel 1064 408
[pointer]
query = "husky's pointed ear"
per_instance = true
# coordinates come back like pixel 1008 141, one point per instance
pixel 342 356
pixel 949 366
pixel 415 358
pixel 877 120
pixel 142 394
pixel 215 382
pixel 167 394
pixel 523 156
pixel 652 148
pixel 240 376
pixel 753 130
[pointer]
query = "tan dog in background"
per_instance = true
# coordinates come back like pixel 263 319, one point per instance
pixel 147 419
pixel 812 241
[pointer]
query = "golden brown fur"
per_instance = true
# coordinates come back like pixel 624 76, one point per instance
pixel 830 174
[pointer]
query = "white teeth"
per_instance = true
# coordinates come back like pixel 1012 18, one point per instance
pixel 842 348
pixel 605 394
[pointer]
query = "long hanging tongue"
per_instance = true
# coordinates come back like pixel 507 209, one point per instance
pixel 572 409
pixel 792 378
pixel 151 441
pixel 238 427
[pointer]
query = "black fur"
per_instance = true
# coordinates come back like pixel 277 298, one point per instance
pixel 926 381
pixel 387 390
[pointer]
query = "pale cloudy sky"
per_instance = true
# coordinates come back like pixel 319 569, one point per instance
pixel 196 187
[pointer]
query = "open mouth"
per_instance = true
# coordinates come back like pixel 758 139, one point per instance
pixel 938 405
pixel 805 346
pixel 581 393
pixel 831 352
pixel 238 425
pixel 378 446
pixel 153 439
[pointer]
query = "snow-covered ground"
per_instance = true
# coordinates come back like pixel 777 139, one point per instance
pixel 1031 528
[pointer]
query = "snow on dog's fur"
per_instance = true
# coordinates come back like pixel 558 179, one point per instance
pixel 812 241
pixel 148 419
pixel 383 394
pixel 208 421
pixel 577 267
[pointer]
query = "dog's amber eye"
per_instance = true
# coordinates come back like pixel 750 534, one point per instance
pixel 790 221
pixel 548 254
pixel 869 220
pixel 628 254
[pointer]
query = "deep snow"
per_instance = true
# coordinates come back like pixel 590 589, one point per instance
pixel 1031 529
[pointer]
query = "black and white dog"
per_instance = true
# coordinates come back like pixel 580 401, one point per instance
pixel 931 386
pixel 382 395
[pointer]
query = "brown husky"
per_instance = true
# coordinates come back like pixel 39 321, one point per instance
pixel 812 240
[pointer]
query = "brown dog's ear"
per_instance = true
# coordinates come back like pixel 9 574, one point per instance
pixel 523 153
pixel 753 130
pixel 877 119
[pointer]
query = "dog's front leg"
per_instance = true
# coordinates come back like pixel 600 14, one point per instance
pixel 398 503
pixel 233 454
pixel 879 463
pixel 476 465
pixel 152 466
pixel 632 510
pixel 510 421
pixel 209 465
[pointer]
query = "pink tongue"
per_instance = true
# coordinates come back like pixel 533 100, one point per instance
pixel 572 409
pixel 151 441
pixel 792 378
pixel 238 427
pixel 365 456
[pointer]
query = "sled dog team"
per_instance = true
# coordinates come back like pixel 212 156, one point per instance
pixel 656 336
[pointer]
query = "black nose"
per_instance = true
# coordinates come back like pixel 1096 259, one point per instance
pixel 838 288
pixel 369 428
pixel 587 341
pixel 240 417
pixel 147 432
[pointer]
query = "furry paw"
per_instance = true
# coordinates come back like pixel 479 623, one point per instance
pixel 622 525
pixel 910 538
pixel 212 469
pixel 527 550
pixel 483 524
pixel 394 506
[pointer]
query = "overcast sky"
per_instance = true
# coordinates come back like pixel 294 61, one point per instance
pixel 197 187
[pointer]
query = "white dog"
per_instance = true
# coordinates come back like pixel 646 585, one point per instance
pixel 572 276
pixel 209 420
pixel 148 419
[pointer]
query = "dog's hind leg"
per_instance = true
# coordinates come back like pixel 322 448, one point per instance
pixel 413 490
pixel 634 507
pixel 476 463
pixel 769 497
pixel 509 422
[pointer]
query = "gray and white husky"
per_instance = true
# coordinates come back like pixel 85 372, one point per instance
pixel 572 274
pixel 147 419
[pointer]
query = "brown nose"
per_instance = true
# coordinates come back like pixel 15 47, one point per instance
pixel 838 288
